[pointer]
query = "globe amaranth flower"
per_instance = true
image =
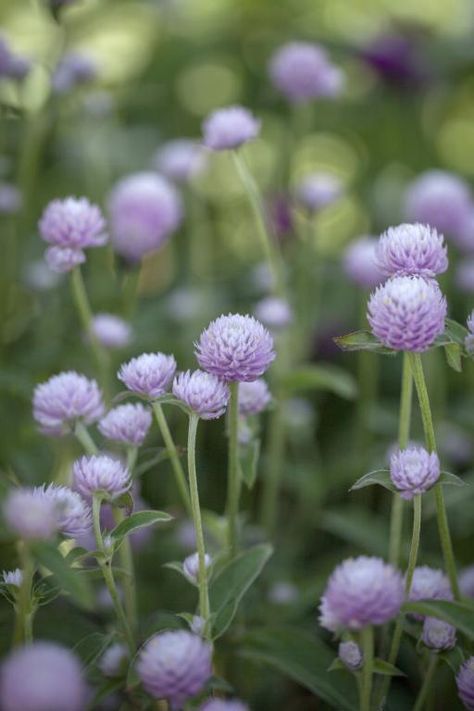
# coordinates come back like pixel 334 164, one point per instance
pixel 111 331
pixel 114 660
pixel 235 348
pixel 13 577
pixel 11 199
pixel 73 514
pixel 64 259
pixel 440 199
pixel 30 514
pixel 465 683
pixel 254 397
pixel 350 655
pixel 438 635
pixel 100 474
pixel 191 567
pixel 180 160
pixel 466 581
pixel 126 423
pixel 360 263
pixel 429 584
pixel 64 399
pixel 413 471
pixel 43 676
pixel 175 666
pixel 302 71
pixel 149 374
pixel 203 393
pixel 229 128
pixel 408 250
pixel 224 705
pixel 275 313
pixel 407 313
pixel 361 591
pixel 145 209
pixel 73 70
pixel 318 190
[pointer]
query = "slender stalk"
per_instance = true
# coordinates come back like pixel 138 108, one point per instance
pixel 423 693
pixel 276 447
pixel 172 452
pixel 24 607
pixel 128 578
pixel 233 480
pixel 204 607
pixel 415 542
pixel 367 643
pixel 83 437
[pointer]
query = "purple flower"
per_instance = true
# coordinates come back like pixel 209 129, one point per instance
pixel 464 277
pixel 224 705
pixel 174 666
pixel 302 71
pixel 438 635
pixel 361 591
pixel 191 566
pixel 360 262
pixel 12 66
pixel 203 393
pixel 126 423
pixel 465 684
pixel 73 514
pixel 229 128
pixel 413 471
pixel 64 259
pixel 410 250
pixel 274 313
pixel 466 581
pixel 429 584
pixel 149 374
pixel 395 58
pixel 99 474
pixel 350 655
pixel 30 514
pixel 439 199
pixel 111 331
pixel 63 399
pixel 13 577
pixel 407 313
pixel 180 160
pixel 74 69
pixel 113 661
pixel 254 397
pixel 145 209
pixel 42 676
pixel 235 348
pixel 318 190
pixel 10 199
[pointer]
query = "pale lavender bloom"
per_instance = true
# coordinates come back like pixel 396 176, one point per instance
pixel 275 313
pixel 360 263
pixel 350 655
pixel 63 259
pixel 283 593
pixel 128 423
pixel 191 566
pixel 40 277
pixel 174 666
pixel 10 199
pixel 180 160
pixel 73 514
pixel 407 313
pixel 73 222
pixel 13 577
pixel 43 676
pixel 64 399
pixel 235 348
pixel 111 330
pixel 186 535
pixel 318 190
pixel 186 303
pixel 409 250
pixel 224 705
pixel 149 374
pixel 254 397
pixel 145 209
pixel 113 661
pixel 230 128
pixel 466 581
pixel 74 69
pixel 203 393
pixel 100 474
pixel 464 276
pixel 29 514
pixel 302 71
pixel 429 584
pixel 465 684
pixel 464 238
pixel 439 199
pixel 413 471
pixel 362 591
pixel 438 635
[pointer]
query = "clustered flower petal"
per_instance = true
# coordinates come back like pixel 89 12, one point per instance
pixel 229 128
pixel 30 514
pixel 302 71
pixel 175 666
pixel 318 190
pixel 149 374
pixel 64 399
pixel 438 634
pixel 439 199
pixel 180 160
pixel 465 683
pixel 111 330
pixel 235 348
pixel 191 566
pixel 202 392
pixel 275 313
pixel 13 577
pixel 100 474
pixel 429 584
pixel 407 313
pixel 350 655
pixel 254 397
pixel 64 259
pixel 113 660
pixel 73 514
pixel 360 263
pixel 127 423
pixel 411 249
pixel 413 471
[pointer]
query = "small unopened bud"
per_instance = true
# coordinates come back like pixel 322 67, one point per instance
pixel 350 655
pixel 191 567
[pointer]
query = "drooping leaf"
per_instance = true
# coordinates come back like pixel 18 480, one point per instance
pixel 385 668
pixel 379 476
pixel 71 580
pixel 321 377
pixel 448 479
pixel 458 614
pixel 362 341
pixel 453 352
pixel 248 462
pixel 140 519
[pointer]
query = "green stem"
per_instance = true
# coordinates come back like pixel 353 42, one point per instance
pixel 83 437
pixel 204 607
pixel 367 643
pixel 233 479
pixel 276 447
pixel 23 633
pixel 128 578
pixel 426 686
pixel 172 452
pixel 415 543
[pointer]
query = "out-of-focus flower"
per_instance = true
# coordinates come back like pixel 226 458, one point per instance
pixel 254 397
pixel 464 276
pixel 180 160
pixel 202 392
pixel 464 237
pixel 407 313
pixel 149 374
pixel 396 60
pixel 466 581
pixel 111 330
pixel 302 71
pixel 73 514
pixel 100 474
pixel 439 199
pixel 224 705
pixel 413 471
pixel 360 262
pixel 186 303
pixel 10 199
pixel 262 277
pixel 191 566
pixel 113 661
pixel 438 635
pixel 75 69
pixel 412 250
pixel 283 593
pixel 64 259
pixel 465 684
pixel 145 209
pixel 318 190
pixel 280 215
pixel 12 65
pixel 275 313
pixel 229 128
pixel 350 655
pixel 39 277
pixel 64 399
pixel 30 514
pixel 126 423
pixel 429 584
pixel 13 577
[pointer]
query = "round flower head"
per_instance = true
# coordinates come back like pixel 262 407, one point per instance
pixel 429 584
pixel 74 69
pixel 254 397
pixel 111 331
pixel 13 577
pixel 466 581
pixel 63 259
pixel 145 209
pixel 174 666
pixel 100 474
pixel 350 655
pixel 63 399
pixel 203 393
pixel 318 190
pixel 274 313
pixel 191 566
pixel 229 128
pixel 126 423
pixel 42 676
pixel 73 223
pixel 360 263
pixel 407 313
pixel 439 199
pixel 29 514
pixel 149 374
pixel 180 160
pixel 235 348
pixel 362 591
pixel 409 250
pixel 438 635
pixel 413 471
pixel 224 705
pixel 10 199
pixel 465 684
pixel 113 661
pixel 302 71
pixel 73 514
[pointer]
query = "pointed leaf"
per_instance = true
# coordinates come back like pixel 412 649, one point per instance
pixel 456 331
pixel 70 579
pixel 453 658
pixel 386 669
pixel 448 479
pixel 248 462
pixel 453 352
pixel 140 519
pixel 337 665
pixel 321 377
pixel 458 614
pixel 362 341
pixel 379 476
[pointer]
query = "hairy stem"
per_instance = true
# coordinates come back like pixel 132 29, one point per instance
pixel 83 437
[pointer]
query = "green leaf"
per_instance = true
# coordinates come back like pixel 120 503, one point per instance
pixel 379 476
pixel 70 579
pixel 453 353
pixel 448 479
pixel 458 614
pixel 455 331
pixel 321 377
pixel 232 582
pixel 362 341
pixel 248 462
pixel 386 669
pixel 161 455
pixel 357 527
pixel 453 658
pixel 305 659
pixel 337 665
pixel 140 519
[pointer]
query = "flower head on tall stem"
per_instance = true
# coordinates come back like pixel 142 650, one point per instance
pixel 317 191
pixel 412 249
pixel 229 128
pixel 11 199
pixel 360 262
pixel 73 514
pixel 438 635
pixel 413 471
pixel 350 655
pixel 100 475
pixel 274 312
pixel 111 331
pixel 440 199
pixel 465 683
pixel 302 71
pixel 254 397
pixel 429 584
pixel 202 392
pixel 180 160
pixel 128 424
pixel 63 400
pixel 150 374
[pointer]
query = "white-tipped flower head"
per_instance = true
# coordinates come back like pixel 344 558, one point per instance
pixel 318 190
pixel 149 374
pixel 274 313
pixel 73 514
pixel 203 393
pixel 191 567
pixel 30 514
pixel 413 471
pixel 100 474
pixel 229 128
pixel 439 199
pixel 128 424
pixel 360 262
pixel 180 160
pixel 254 397
pixel 350 655
pixel 412 250
pixel 111 330
pixel 438 635
pixel 13 577
pixel 302 72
